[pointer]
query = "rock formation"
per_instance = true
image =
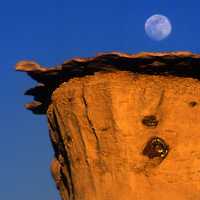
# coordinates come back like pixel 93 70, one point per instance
pixel 123 127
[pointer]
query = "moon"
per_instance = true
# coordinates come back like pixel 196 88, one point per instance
pixel 158 27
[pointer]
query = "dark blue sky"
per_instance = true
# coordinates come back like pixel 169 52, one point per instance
pixel 49 32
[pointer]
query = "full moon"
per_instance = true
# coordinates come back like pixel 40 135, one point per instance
pixel 158 27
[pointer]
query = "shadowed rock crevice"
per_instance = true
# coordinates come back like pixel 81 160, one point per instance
pixel 84 149
pixel 89 120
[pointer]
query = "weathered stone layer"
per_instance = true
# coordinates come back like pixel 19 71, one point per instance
pixel 184 64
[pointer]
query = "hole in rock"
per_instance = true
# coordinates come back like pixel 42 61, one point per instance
pixel 156 147
pixel 150 121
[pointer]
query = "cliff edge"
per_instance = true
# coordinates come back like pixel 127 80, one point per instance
pixel 122 126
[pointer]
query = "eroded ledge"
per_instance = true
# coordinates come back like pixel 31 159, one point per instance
pixel 184 64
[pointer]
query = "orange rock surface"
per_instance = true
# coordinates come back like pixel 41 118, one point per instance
pixel 122 126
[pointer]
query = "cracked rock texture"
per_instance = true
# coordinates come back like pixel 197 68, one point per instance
pixel 124 127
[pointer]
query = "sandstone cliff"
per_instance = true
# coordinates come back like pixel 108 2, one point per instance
pixel 122 126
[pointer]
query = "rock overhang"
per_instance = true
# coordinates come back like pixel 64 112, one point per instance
pixel 182 63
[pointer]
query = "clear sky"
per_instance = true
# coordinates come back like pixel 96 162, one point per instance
pixel 49 32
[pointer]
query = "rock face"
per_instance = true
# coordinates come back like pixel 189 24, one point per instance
pixel 122 126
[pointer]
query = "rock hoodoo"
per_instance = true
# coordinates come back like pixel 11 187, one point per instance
pixel 122 126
